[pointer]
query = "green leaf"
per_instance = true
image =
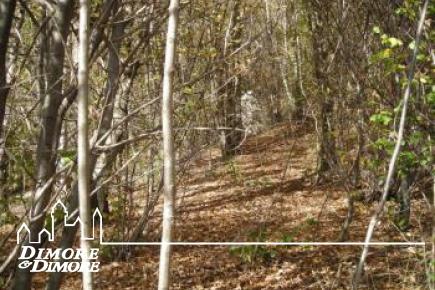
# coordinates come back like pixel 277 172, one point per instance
pixel 384 144
pixel 67 156
pixel 383 118
pixel 412 45
pixel 188 91
pixel 391 41
pixel 287 238
pixel 408 158
pixel 421 57
pixel 430 97
pixel 381 55
pixel 376 30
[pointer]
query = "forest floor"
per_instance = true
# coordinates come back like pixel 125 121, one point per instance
pixel 267 194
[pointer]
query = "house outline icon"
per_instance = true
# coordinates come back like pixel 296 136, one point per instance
pixel 66 222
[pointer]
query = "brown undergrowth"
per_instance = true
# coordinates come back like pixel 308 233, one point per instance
pixel 267 194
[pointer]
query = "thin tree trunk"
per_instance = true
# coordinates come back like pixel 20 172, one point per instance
pixel 7 9
pixel 98 164
pixel 284 65
pixel 432 267
pixel 326 145
pixel 83 142
pixel 300 92
pixel 168 148
pixel 403 212
pixel 232 98
pixel 394 157
pixel 50 124
pixel 111 88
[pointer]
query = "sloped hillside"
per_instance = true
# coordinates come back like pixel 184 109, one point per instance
pixel 267 194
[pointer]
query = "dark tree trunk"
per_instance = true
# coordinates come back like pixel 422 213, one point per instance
pixel 403 195
pixel 232 102
pixel 6 16
pixel 326 143
pixel 7 9
pixel 97 164
pixel 50 127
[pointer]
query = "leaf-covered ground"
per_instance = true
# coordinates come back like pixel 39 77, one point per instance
pixel 267 194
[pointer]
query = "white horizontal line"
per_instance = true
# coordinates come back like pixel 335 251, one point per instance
pixel 265 243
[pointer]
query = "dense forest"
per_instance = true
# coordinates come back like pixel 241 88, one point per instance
pixel 221 144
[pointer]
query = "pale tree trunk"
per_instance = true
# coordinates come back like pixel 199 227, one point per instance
pixel 281 56
pixel 272 48
pixel 97 163
pixel 284 64
pixel 50 124
pixel 63 147
pixel 300 92
pixel 83 142
pixel 168 148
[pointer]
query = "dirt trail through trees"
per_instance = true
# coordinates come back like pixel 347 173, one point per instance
pixel 265 194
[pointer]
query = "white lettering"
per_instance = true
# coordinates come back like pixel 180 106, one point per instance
pixel 67 254
pixel 73 266
pixel 93 254
pixel 39 260
pixel 58 267
pixel 52 254
pixel 25 251
pixel 43 266
pixel 95 267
